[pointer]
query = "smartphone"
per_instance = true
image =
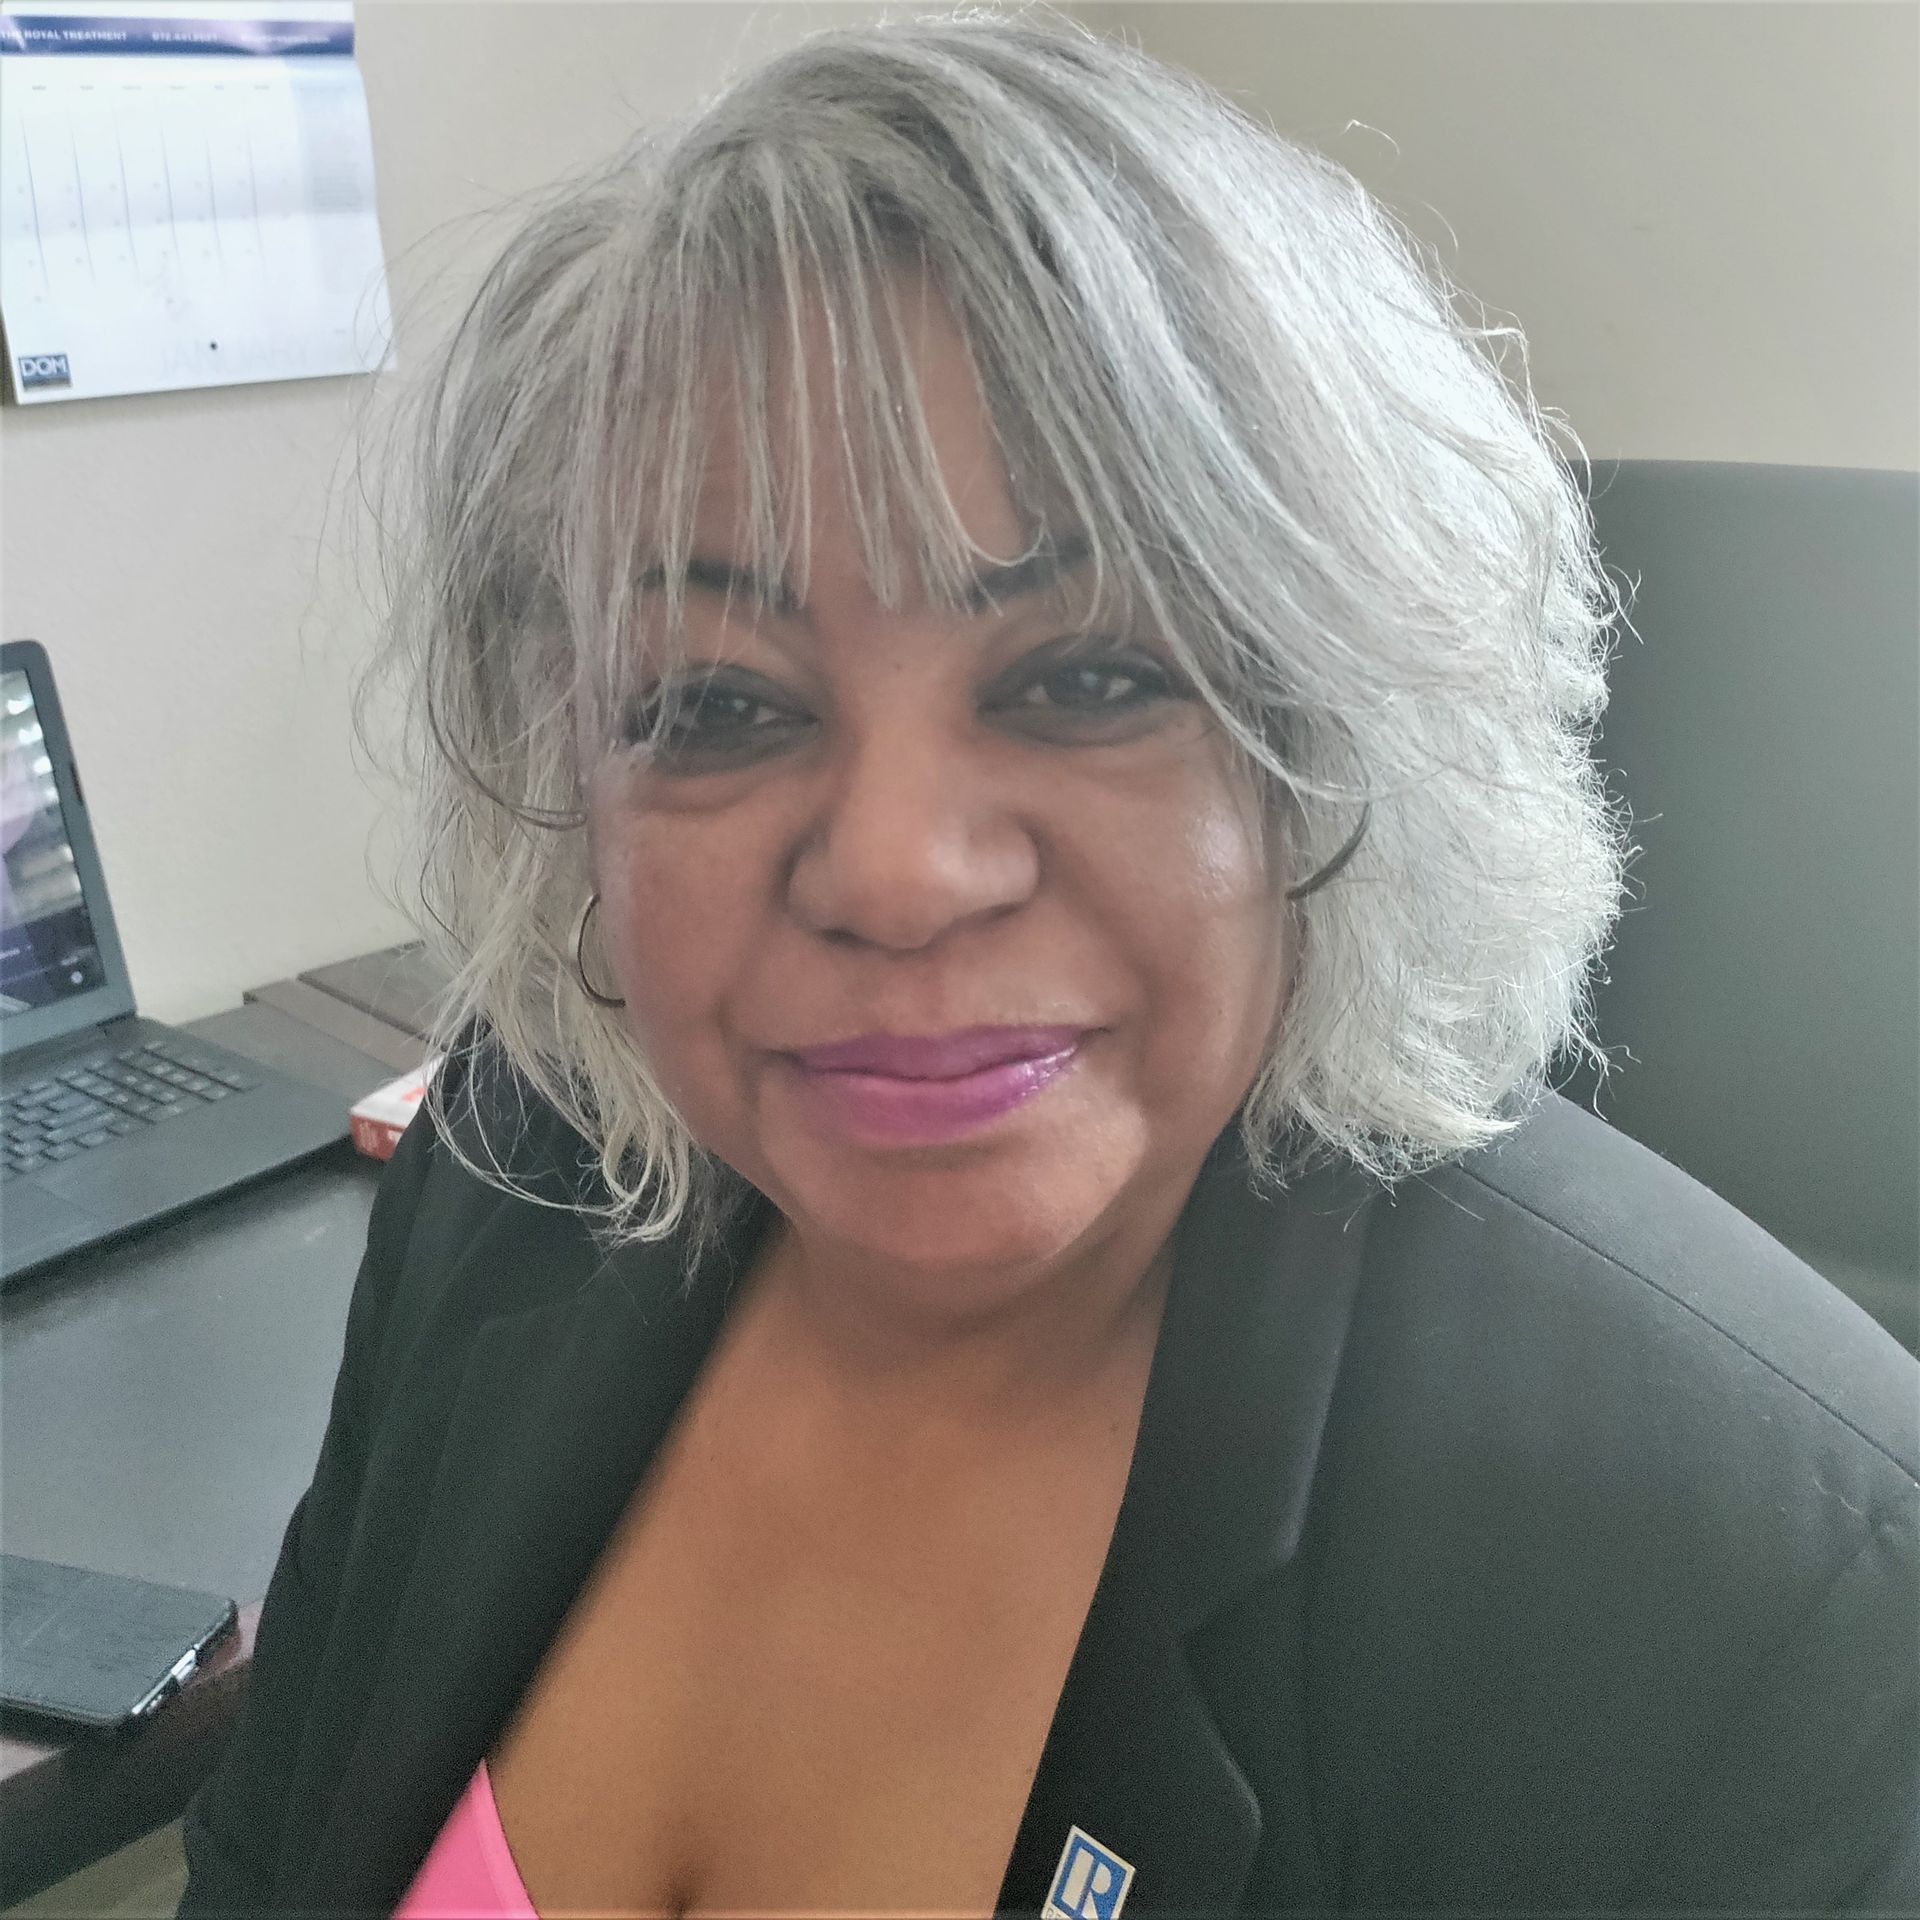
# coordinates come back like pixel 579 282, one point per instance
pixel 98 1651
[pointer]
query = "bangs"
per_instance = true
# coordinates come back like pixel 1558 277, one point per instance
pixel 766 254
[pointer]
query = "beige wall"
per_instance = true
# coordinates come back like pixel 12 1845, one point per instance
pixel 1703 216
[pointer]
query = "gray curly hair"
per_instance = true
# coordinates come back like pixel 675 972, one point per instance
pixel 1210 349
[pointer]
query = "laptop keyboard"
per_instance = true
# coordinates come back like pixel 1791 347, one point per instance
pixel 104 1097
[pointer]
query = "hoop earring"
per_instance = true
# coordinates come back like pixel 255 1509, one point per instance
pixel 1339 860
pixel 587 987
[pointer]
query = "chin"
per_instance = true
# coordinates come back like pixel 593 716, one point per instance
pixel 981 1207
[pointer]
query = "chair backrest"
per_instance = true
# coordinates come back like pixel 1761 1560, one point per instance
pixel 1765 728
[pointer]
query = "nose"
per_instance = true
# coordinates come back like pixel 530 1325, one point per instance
pixel 911 839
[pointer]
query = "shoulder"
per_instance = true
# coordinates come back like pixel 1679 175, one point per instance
pixel 1618 1515
pixel 1572 1237
pixel 1611 1339
pixel 1582 1381
pixel 477 1214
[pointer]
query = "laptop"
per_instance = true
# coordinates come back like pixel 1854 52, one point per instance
pixel 107 1121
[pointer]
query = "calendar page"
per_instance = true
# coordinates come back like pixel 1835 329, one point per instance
pixel 186 197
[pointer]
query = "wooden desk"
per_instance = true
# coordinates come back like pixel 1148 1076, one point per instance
pixel 161 1408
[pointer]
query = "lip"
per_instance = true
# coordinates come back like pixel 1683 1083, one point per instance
pixel 937 1056
pixel 879 1109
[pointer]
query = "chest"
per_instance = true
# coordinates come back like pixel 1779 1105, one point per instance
pixel 771 1700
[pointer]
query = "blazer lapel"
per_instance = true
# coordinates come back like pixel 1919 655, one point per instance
pixel 1223 1471
pixel 559 1410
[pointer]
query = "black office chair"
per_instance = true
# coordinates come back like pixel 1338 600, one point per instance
pixel 1764 976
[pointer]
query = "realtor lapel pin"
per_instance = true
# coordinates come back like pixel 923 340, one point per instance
pixel 1090 1882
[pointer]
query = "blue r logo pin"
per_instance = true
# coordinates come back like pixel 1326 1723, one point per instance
pixel 1090 1883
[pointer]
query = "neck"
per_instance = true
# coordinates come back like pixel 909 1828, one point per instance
pixel 1065 1343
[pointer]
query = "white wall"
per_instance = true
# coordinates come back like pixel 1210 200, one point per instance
pixel 1704 217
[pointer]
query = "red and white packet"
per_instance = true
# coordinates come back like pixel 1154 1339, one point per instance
pixel 381 1118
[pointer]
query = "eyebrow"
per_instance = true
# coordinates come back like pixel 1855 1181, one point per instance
pixel 983 590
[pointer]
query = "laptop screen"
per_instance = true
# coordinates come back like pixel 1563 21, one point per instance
pixel 48 949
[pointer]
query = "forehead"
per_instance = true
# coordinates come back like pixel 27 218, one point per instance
pixel 802 405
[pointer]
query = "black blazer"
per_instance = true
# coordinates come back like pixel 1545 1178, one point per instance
pixel 1538 1539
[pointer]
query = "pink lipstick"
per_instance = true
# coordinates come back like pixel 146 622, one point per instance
pixel 894 1090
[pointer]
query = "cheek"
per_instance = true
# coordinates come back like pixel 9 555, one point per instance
pixel 1222 857
pixel 670 921
pixel 1210 819
pixel 1221 923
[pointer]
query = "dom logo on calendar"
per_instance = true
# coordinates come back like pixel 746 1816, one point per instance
pixel 44 370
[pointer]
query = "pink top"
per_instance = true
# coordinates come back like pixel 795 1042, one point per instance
pixel 469 1873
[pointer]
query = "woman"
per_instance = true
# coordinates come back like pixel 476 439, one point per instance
pixel 1007 699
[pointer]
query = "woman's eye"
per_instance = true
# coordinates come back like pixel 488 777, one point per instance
pixel 1095 687
pixel 704 719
